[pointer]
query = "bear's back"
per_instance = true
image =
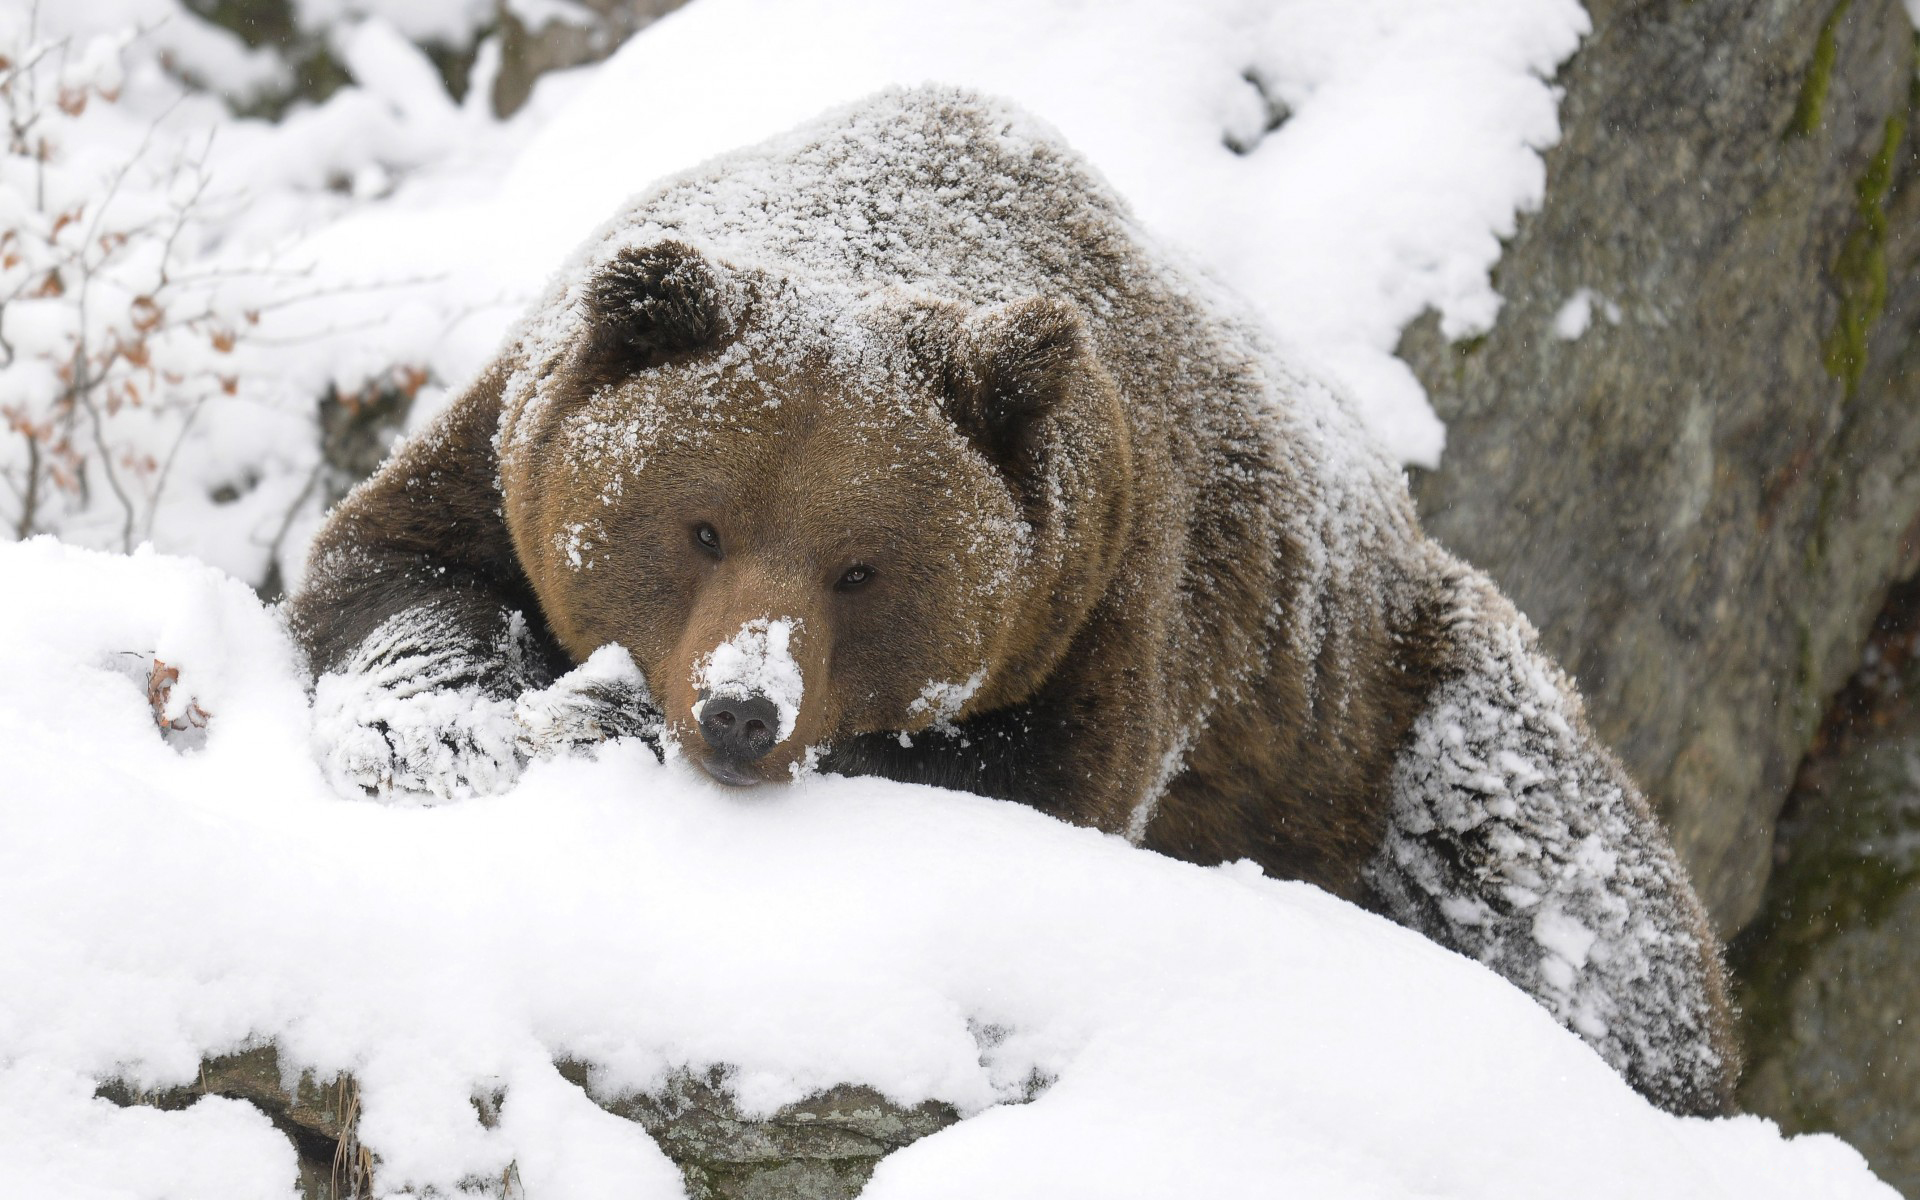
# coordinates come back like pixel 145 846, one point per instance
pixel 933 188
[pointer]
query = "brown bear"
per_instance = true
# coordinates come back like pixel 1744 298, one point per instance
pixel 895 446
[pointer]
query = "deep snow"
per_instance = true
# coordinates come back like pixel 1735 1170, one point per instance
pixel 1206 1031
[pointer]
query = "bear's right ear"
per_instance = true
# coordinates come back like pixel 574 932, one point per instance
pixel 649 303
pixel 1016 366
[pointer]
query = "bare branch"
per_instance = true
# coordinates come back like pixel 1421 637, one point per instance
pixel 30 502
pixel 293 510
pixel 82 392
pixel 166 468
pixel 126 168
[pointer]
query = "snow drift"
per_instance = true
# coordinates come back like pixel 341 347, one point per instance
pixel 1199 1031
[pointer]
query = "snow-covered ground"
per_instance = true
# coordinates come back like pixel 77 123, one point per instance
pixel 1206 1032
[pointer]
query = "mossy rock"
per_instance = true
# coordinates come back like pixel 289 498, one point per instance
pixel 317 1116
pixel 1829 977
pixel 822 1148
pixel 1701 503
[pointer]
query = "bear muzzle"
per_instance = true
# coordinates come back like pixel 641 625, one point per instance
pixel 739 731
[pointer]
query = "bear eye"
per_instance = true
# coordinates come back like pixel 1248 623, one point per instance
pixel 853 577
pixel 708 538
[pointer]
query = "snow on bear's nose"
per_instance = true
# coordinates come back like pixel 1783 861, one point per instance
pixel 752 670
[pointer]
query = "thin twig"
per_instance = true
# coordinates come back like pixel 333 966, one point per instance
pixel 21 68
pixel 126 168
pixel 82 396
pixel 293 510
pixel 30 503
pixel 166 468
pixel 185 209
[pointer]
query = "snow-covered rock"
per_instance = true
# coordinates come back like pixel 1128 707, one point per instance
pixel 1191 1031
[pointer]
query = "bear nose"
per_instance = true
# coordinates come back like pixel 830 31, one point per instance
pixel 739 727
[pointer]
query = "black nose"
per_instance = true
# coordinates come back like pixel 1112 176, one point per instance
pixel 739 728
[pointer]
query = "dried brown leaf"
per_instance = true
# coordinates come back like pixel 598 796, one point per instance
pixel 160 681
pixel 147 314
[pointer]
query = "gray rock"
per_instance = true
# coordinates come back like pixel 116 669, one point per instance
pixel 1829 977
pixel 561 36
pixel 822 1148
pixel 318 1117
pixel 1701 501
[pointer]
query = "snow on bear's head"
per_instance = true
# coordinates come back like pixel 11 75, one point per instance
pixel 805 508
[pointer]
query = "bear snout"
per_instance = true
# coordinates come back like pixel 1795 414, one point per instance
pixel 739 730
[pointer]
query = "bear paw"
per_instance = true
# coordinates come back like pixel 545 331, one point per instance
pixel 429 745
pixel 603 698
pixel 386 733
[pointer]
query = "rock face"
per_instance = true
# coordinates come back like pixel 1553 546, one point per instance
pixel 1702 497
pixel 319 1118
pixel 537 38
pixel 1829 976
pixel 823 1148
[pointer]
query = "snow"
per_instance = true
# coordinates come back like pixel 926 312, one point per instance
pixel 1573 317
pixel 942 699
pixel 64 1143
pixel 1199 1031
pixel 757 660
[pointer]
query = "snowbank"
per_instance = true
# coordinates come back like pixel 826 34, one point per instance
pixel 1204 1031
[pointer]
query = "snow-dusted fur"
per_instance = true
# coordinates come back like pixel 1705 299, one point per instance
pixel 1518 840
pixel 1135 566
pixel 416 713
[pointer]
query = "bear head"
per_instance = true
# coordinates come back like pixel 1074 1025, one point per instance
pixel 809 511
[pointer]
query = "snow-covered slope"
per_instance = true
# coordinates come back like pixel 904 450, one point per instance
pixel 1207 1032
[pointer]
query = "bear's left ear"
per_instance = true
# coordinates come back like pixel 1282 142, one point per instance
pixel 1017 362
pixel 648 303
